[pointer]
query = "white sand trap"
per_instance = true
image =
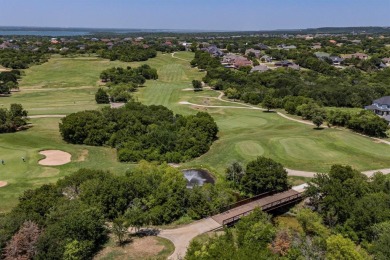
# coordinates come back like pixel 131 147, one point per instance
pixel 55 157
pixel 3 184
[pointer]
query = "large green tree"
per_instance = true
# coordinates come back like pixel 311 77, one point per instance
pixel 263 175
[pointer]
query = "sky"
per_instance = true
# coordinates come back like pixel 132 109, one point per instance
pixel 195 14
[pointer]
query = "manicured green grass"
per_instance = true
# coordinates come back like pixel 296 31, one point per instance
pixel 65 85
pixel 245 134
pixel 61 86
pixel 63 72
pixel 42 136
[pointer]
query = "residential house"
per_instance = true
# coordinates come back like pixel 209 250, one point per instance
pixel 336 60
pixel 386 61
pixel 358 55
pixel 242 62
pixel 266 58
pixel 316 46
pixel 257 53
pixel 231 60
pixel 356 41
pixel 286 47
pixel 4 45
pixel 214 51
pixel 287 64
pixel 322 55
pixel 262 46
pixel 259 68
pixel 332 41
pixel 381 107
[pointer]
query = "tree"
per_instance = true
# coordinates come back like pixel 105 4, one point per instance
pixel 234 173
pixel 340 248
pixel 269 102
pixel 23 244
pixel 263 175
pixel 381 240
pixel 102 97
pixel 318 120
pixel 334 195
pixel 120 229
pixel 197 85
pixel 311 223
pixel 76 250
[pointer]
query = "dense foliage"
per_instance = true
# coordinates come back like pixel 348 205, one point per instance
pixel 256 237
pixel 260 176
pixel 67 220
pixel 12 119
pixel 356 206
pixel 362 121
pixel 330 87
pixel 121 82
pixel 141 132
pixel 102 97
pixel 128 52
pixel 8 81
pixel 16 59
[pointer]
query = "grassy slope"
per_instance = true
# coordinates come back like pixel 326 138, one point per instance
pixel 244 134
pixel 60 86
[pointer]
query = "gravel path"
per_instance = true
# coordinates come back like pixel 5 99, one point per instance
pixel 182 236
pixel 47 116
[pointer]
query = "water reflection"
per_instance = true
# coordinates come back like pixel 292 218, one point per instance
pixel 197 177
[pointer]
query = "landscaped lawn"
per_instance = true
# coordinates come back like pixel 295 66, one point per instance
pixel 70 84
pixel 42 136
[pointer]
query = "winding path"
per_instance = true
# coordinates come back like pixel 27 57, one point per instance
pixel 290 172
pixel 173 56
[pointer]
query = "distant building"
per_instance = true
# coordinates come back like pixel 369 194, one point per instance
pixel 266 58
pixel 386 60
pixel 322 55
pixel 231 60
pixel 214 51
pixel 262 46
pixel 257 53
pixel 287 64
pixel 336 60
pixel 358 55
pixel 286 47
pixel 381 107
pixel 259 68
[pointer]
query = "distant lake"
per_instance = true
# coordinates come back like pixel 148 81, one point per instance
pixel 44 33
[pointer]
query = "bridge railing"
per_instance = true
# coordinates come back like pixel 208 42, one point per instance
pixel 267 207
pixel 246 201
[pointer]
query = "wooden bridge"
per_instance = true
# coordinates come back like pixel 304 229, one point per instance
pixel 267 202
pixel 182 236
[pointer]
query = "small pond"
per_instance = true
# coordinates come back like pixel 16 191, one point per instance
pixel 197 177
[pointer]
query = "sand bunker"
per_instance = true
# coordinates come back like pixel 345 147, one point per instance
pixel 3 183
pixel 55 157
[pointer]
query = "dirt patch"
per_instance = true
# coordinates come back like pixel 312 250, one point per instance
pixel 174 165
pixel 139 248
pixel 55 157
pixel 83 155
pixel 3 184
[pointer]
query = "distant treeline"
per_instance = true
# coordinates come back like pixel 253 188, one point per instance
pixel 128 53
pixel 140 132
pixel 16 59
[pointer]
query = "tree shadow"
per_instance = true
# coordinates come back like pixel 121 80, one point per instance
pixel 270 111
pixel 319 128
